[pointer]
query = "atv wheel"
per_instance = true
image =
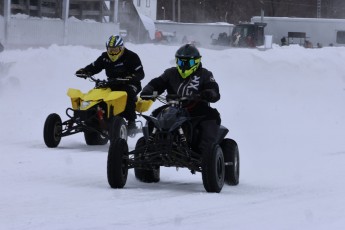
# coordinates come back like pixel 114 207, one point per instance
pixel 145 175
pixel 118 128
pixel 232 161
pixel 52 130
pixel 117 165
pixel 213 170
pixel 94 138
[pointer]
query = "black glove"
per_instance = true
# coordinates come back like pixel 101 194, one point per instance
pixel 209 95
pixel 147 93
pixel 82 74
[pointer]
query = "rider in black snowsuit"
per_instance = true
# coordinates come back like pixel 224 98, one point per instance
pixel 186 79
pixel 119 63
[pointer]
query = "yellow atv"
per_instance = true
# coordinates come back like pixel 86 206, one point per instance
pixel 96 114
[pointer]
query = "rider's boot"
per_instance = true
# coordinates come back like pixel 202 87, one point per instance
pixel 209 131
pixel 131 125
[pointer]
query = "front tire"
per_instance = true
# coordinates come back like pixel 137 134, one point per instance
pixel 232 161
pixel 145 175
pixel 52 130
pixel 213 170
pixel 118 128
pixel 117 164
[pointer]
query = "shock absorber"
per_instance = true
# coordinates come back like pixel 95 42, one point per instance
pixel 183 138
pixel 100 113
pixel 149 140
pixel 152 136
pixel 183 141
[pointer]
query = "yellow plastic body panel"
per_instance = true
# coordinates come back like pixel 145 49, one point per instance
pixel 96 94
pixel 75 95
pixel 116 100
pixel 143 105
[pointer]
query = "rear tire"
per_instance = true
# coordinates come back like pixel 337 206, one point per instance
pixel 52 130
pixel 117 164
pixel 146 175
pixel 94 138
pixel 118 128
pixel 232 161
pixel 213 170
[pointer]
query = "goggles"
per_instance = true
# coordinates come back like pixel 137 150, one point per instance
pixel 114 50
pixel 185 63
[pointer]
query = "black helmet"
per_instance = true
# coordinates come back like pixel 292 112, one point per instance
pixel 188 60
pixel 187 51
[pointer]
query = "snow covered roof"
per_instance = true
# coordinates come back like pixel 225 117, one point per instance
pixel 149 25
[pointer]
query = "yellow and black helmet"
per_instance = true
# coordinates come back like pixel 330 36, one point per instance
pixel 115 47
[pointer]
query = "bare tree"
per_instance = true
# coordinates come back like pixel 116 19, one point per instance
pixel 234 11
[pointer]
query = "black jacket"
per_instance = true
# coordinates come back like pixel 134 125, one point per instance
pixel 171 81
pixel 129 64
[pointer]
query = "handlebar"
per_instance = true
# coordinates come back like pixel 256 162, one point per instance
pixel 172 99
pixel 102 83
pixel 153 96
pixel 98 80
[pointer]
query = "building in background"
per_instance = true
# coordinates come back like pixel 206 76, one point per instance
pixel 19 19
pixel 147 8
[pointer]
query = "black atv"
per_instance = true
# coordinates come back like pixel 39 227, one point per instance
pixel 171 140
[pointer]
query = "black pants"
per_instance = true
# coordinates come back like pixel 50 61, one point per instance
pixel 208 127
pixel 208 113
pixel 132 92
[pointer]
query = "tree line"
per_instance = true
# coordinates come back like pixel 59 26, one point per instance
pixel 235 11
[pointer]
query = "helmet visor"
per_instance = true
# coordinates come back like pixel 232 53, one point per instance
pixel 187 66
pixel 114 50
pixel 185 63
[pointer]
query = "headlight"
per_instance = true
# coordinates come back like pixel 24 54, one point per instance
pixel 84 104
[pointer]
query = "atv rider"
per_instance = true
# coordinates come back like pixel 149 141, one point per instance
pixel 186 79
pixel 124 72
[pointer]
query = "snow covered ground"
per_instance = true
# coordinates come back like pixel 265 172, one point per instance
pixel 284 106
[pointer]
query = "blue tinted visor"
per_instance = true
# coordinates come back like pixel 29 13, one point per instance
pixel 186 63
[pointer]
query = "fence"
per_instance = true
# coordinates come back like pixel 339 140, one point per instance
pixel 32 32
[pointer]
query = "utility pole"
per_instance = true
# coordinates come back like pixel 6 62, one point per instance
pixel 163 8
pixel 174 10
pixel 262 10
pixel 7 15
pixel 179 10
pixel 318 11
